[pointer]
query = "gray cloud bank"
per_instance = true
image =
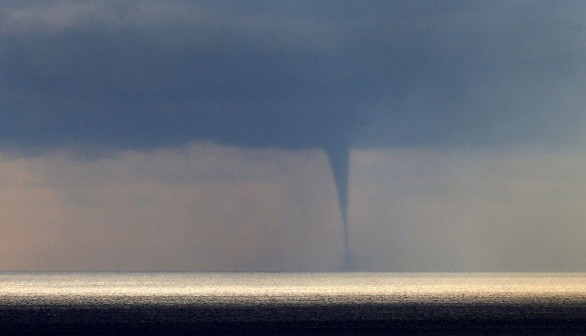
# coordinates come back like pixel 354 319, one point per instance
pixel 292 74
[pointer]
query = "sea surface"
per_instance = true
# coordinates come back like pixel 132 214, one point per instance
pixel 292 304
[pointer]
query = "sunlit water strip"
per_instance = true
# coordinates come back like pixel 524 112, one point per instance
pixel 318 301
pixel 298 287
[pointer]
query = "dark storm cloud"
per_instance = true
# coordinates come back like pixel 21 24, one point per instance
pixel 289 74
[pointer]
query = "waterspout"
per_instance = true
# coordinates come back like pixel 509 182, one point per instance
pixel 338 155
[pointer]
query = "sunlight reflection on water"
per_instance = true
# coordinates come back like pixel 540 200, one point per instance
pixel 293 287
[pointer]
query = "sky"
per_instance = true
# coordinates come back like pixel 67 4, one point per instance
pixel 190 135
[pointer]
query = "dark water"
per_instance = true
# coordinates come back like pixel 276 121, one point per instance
pixel 292 304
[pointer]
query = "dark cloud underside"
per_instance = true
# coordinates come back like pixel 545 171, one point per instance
pixel 290 74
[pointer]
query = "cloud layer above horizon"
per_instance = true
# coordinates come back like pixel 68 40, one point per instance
pixel 189 135
pixel 290 74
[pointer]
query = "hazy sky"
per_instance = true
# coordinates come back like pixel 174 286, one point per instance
pixel 189 135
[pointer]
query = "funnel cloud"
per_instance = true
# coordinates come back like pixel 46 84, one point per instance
pixel 339 158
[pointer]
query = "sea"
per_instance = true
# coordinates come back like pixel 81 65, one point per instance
pixel 343 303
